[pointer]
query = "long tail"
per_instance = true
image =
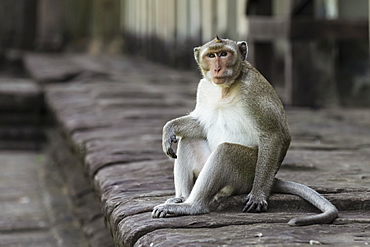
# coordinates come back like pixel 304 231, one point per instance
pixel 329 211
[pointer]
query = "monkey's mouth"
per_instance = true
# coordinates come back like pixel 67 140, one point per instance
pixel 219 80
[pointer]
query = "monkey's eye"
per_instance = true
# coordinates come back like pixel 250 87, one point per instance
pixel 211 55
pixel 223 54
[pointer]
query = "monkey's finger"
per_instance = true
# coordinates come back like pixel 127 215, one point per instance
pixel 259 207
pixel 255 207
pixel 171 153
pixel 162 214
pixel 248 203
pixel 158 213
pixel 154 213
pixel 249 207
pixel 173 139
pixel 264 206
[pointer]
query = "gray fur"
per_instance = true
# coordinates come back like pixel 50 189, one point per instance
pixel 235 141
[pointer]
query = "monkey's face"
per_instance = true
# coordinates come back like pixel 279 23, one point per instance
pixel 220 61
pixel 218 64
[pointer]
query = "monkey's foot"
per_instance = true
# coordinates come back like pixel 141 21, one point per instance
pixel 175 200
pixel 164 210
pixel 255 205
pixel 177 209
pixel 161 211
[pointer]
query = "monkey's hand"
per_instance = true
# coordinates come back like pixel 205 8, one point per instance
pixel 185 126
pixel 167 145
pixel 255 204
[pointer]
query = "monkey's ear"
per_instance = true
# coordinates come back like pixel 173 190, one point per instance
pixel 243 48
pixel 196 53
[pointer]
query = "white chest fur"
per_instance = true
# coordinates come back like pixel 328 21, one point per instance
pixel 224 117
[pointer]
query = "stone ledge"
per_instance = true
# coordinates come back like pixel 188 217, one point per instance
pixel 21 114
pixel 20 96
pixel 116 138
pixel 85 206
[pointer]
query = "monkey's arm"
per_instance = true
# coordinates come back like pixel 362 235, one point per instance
pixel 185 126
pixel 271 151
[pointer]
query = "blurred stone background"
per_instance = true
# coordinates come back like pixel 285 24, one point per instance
pixel 86 86
pixel 314 52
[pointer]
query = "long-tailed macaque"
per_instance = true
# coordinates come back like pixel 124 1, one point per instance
pixel 234 141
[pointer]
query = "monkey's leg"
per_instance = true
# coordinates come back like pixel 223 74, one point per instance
pixel 192 154
pixel 230 165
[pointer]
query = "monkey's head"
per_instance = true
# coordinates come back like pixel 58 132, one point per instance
pixel 220 60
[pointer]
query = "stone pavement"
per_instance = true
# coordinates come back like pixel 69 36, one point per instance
pixel 110 114
pixel 23 123
pixel 34 208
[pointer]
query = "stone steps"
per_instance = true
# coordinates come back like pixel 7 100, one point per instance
pixel 115 140
pixel 21 114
